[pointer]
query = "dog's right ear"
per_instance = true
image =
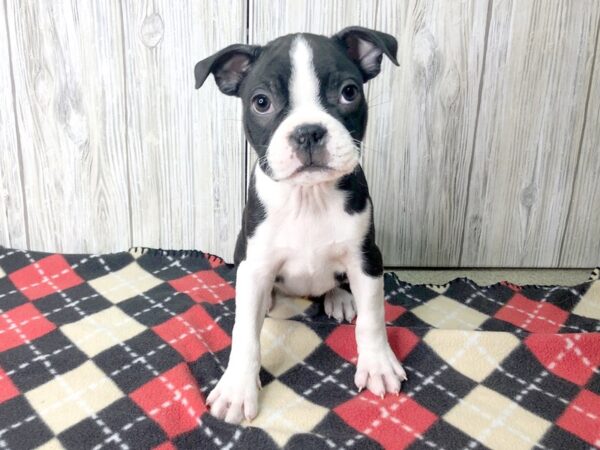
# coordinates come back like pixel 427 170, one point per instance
pixel 229 67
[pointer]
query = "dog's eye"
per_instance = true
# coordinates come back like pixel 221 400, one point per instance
pixel 262 104
pixel 349 93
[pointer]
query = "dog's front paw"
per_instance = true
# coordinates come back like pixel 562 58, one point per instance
pixel 379 371
pixel 340 304
pixel 235 397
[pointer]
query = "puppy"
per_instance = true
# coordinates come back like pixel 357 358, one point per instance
pixel 307 227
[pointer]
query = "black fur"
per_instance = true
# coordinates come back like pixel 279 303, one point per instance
pixel 270 74
pixel 254 214
pixel 372 263
pixel 356 189
pixel 357 196
pixel 333 73
pixel 340 277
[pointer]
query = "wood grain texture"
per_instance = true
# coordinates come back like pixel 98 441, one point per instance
pixel 67 63
pixel 539 58
pixel 483 147
pixel 13 228
pixel 421 126
pixel 185 146
pixel 581 243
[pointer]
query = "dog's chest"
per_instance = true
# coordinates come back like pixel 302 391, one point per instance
pixel 309 234
pixel 311 250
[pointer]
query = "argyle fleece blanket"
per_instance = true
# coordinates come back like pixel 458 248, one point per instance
pixel 121 350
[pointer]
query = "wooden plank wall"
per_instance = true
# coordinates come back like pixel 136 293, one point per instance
pixel 13 228
pixel 186 148
pixel 66 60
pixel 539 61
pixel 483 147
pixel 580 245
pixel 420 145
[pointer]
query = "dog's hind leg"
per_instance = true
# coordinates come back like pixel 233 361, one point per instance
pixel 339 303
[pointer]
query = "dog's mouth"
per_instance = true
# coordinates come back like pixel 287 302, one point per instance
pixel 306 169
pixel 312 167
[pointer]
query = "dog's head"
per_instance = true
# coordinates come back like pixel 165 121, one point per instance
pixel 304 107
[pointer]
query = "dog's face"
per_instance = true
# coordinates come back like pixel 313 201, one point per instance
pixel 304 107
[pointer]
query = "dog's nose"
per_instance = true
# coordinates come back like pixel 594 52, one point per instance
pixel 309 135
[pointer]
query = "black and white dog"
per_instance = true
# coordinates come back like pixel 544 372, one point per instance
pixel 307 228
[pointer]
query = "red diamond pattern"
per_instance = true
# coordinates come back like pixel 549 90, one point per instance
pixel 157 379
pixel 204 286
pixel 392 312
pixel 343 342
pixel 7 388
pixel 571 356
pixel 534 316
pixel 44 277
pixel 173 400
pixel 193 333
pixel 22 324
pixel 395 422
pixel 582 417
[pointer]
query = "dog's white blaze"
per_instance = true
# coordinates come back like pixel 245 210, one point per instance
pixel 304 84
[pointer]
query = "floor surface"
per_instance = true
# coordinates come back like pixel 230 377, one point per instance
pixel 491 276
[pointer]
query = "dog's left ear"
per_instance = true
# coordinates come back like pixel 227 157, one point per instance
pixel 366 48
pixel 229 67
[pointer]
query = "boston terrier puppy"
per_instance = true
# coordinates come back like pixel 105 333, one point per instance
pixel 307 228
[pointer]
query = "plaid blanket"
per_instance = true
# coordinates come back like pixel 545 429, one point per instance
pixel 121 350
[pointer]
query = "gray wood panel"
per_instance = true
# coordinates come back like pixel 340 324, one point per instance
pixel 185 146
pixel 581 243
pixel 68 75
pixel 13 230
pixel 483 147
pixel 539 58
pixel 422 121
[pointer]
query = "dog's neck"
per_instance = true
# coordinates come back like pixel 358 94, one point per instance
pixel 294 197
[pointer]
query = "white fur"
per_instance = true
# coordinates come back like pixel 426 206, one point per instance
pixel 306 108
pixel 339 303
pixel 235 396
pixel 306 238
pixel 307 235
pixel 304 84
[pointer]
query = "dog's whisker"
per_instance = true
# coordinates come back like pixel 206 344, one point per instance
pixel 379 104
pixel 376 97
